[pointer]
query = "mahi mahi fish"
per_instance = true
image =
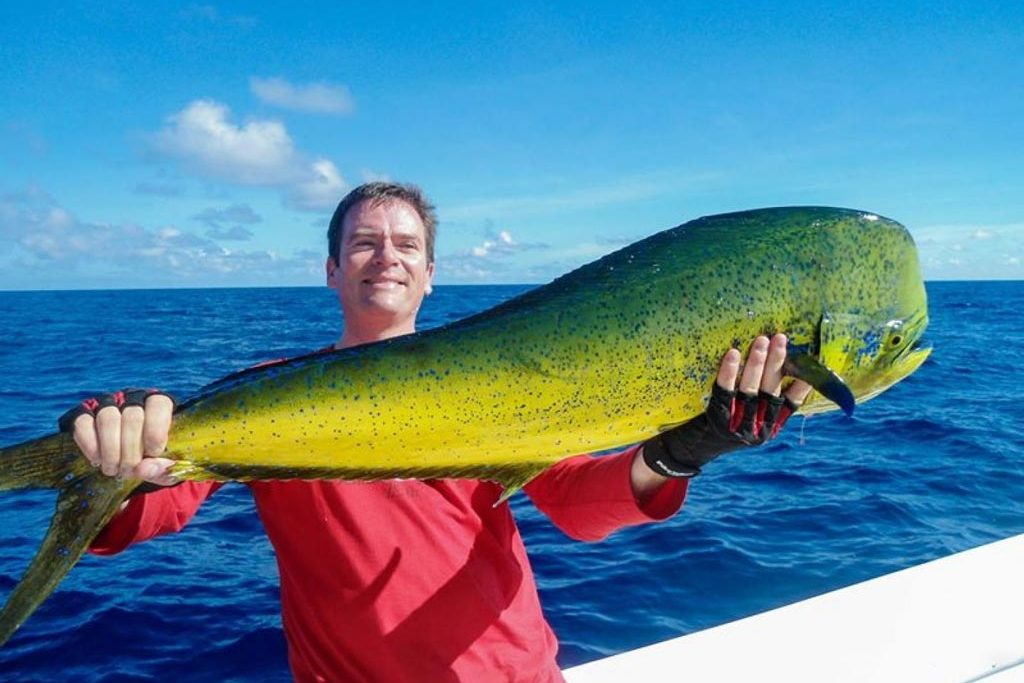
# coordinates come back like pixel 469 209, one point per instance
pixel 607 355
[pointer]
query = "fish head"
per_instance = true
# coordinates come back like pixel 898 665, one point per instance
pixel 869 356
pixel 871 334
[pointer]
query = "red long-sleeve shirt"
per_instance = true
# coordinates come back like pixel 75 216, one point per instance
pixel 406 580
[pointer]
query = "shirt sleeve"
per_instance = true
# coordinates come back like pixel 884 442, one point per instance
pixel 589 497
pixel 159 512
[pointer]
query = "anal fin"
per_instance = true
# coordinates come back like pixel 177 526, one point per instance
pixel 512 480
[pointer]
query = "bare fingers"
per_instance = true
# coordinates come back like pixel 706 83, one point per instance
pixel 771 379
pixel 159 409
pixel 729 370
pixel 127 442
pixel 753 371
pixel 798 392
pixel 763 370
pixel 84 435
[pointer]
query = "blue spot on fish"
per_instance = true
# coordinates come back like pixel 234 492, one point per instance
pixel 872 342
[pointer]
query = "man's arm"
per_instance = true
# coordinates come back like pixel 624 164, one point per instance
pixel 156 513
pixel 588 497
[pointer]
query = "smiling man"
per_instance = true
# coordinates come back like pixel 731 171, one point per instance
pixel 407 580
pixel 380 261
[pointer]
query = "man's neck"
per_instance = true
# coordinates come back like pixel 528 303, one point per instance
pixel 354 335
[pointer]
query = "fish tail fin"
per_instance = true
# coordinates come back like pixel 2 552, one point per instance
pixel 85 504
pixel 45 463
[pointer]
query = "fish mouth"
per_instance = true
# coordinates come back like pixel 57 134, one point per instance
pixel 904 365
pixel 914 355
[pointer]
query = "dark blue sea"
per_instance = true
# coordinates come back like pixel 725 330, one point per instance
pixel 932 467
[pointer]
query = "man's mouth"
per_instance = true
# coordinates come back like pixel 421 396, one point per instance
pixel 383 283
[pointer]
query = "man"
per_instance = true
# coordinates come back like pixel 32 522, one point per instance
pixel 424 580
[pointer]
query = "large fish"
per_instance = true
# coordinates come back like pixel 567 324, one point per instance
pixel 607 355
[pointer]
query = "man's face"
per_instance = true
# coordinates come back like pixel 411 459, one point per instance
pixel 382 271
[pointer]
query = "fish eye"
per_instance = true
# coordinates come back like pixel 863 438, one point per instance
pixel 896 340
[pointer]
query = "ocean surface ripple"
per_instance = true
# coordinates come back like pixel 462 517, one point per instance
pixel 932 467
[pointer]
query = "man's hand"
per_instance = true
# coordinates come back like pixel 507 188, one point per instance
pixel 124 433
pixel 737 416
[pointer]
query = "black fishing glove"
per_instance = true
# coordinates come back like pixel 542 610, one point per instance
pixel 119 399
pixel 732 420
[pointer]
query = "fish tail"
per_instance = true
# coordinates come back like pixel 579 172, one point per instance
pixel 45 463
pixel 86 502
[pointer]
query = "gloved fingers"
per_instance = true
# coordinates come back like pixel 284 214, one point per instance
pixel 792 400
pixel 720 409
pixel 744 415
pixel 769 407
pixel 749 418
pixel 140 397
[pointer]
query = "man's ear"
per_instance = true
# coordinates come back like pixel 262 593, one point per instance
pixel 430 278
pixel 331 270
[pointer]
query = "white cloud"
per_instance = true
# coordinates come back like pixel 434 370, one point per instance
pixel 971 251
pixel 45 235
pixel 490 261
pixel 323 188
pixel 321 98
pixel 203 137
pixel 501 245
pixel 255 153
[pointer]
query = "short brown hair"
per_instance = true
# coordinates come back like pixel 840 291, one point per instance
pixel 378 193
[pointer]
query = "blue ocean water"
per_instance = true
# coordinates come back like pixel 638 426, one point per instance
pixel 934 466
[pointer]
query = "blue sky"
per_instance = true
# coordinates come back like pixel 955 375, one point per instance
pixel 206 144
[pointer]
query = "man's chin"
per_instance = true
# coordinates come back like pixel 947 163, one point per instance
pixel 382 304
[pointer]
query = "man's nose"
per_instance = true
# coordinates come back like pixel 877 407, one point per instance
pixel 386 252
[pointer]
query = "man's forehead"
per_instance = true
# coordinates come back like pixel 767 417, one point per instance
pixel 371 215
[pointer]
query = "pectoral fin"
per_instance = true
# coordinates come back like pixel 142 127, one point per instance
pixel 803 366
